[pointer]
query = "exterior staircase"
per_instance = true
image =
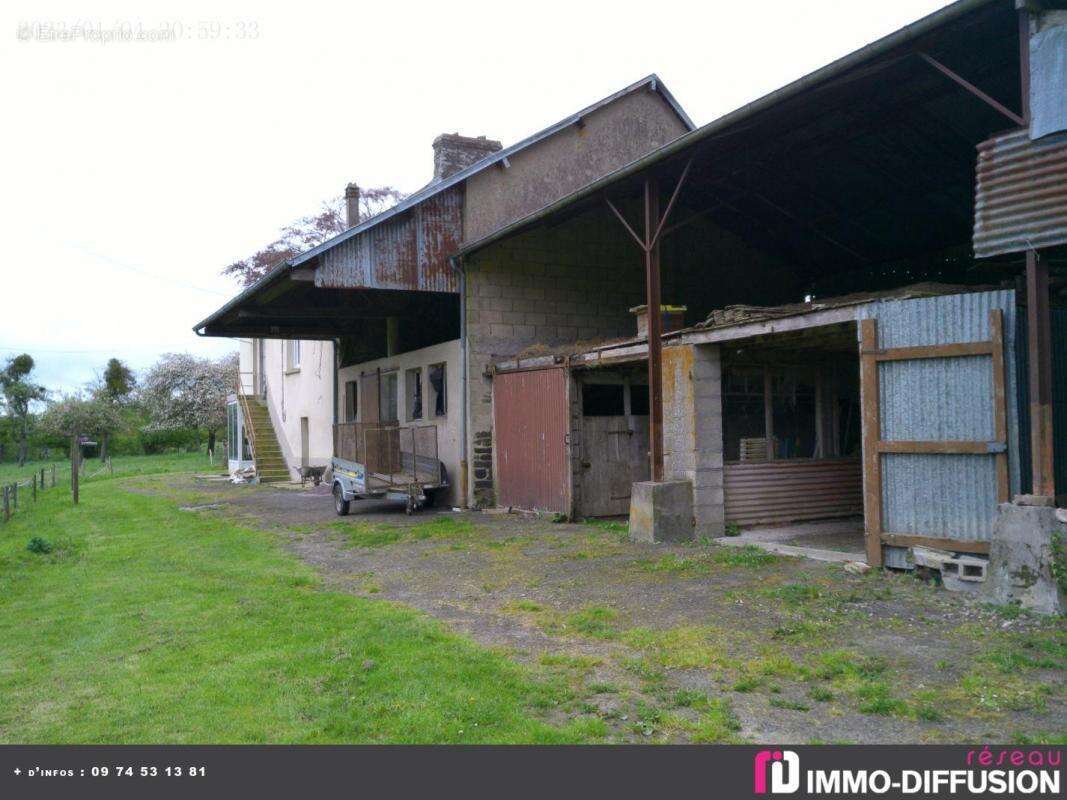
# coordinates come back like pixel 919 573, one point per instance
pixel 270 463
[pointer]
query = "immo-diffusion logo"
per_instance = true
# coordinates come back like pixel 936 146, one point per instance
pixel 784 770
pixel 1014 771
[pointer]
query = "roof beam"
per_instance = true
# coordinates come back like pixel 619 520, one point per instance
pixel 970 87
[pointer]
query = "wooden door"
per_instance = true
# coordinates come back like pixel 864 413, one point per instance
pixel 614 456
pixel 369 397
pixel 530 417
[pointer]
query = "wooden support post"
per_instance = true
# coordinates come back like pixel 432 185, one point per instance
pixel 7 507
pixel 42 479
pixel 1000 403
pixel 768 411
pixel 872 433
pixel 1039 329
pixel 15 495
pixel 35 487
pixel 75 457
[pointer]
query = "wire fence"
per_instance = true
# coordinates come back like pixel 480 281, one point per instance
pixel 28 488
pixel 22 492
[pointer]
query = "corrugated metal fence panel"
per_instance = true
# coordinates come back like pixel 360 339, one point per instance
pixel 530 435
pixel 409 251
pixel 1020 194
pixel 1059 399
pixel 954 496
pixel 792 490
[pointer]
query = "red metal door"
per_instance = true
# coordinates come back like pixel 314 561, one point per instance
pixel 530 426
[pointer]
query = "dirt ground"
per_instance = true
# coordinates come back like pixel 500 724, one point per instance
pixel 688 643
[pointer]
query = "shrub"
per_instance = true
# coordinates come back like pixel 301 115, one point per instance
pixel 154 442
pixel 40 546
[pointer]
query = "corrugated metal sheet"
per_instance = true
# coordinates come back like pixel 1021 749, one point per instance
pixel 409 251
pixel 530 426
pixel 954 496
pixel 792 490
pixel 1020 194
pixel 1048 81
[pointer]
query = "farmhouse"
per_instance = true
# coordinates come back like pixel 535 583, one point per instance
pixel 856 285
pixel 367 327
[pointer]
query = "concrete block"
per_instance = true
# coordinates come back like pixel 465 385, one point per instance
pixel 661 512
pixel 1039 500
pixel 1021 556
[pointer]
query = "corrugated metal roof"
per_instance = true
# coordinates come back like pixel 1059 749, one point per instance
pixel 1020 194
pixel 438 241
pixel 408 252
pixel 735 119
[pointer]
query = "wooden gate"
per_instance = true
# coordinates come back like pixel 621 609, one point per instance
pixel 531 423
pixel 975 460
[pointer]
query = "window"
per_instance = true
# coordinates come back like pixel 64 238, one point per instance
pixel 639 399
pixel 388 411
pixel 351 400
pixel 413 391
pixel 438 389
pixel 292 354
pixel 232 432
pixel 603 400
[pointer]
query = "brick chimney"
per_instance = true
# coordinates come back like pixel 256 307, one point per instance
pixel 352 205
pixel 452 152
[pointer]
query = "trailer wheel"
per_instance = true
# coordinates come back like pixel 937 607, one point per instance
pixel 340 505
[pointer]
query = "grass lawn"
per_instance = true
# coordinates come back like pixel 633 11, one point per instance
pixel 149 624
pixel 122 466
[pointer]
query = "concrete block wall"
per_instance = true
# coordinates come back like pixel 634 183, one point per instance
pixel 692 430
pixel 575 283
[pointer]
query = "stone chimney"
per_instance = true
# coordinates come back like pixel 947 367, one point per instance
pixel 352 205
pixel 452 152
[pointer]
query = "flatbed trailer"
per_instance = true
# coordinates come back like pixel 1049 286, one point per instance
pixel 385 461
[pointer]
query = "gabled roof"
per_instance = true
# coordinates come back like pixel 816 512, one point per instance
pixel 651 82
pixel 648 83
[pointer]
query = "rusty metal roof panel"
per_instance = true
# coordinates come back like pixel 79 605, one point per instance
pixel 408 252
pixel 1020 194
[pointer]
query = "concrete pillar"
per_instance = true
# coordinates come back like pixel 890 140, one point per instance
pixel 1027 557
pixel 692 430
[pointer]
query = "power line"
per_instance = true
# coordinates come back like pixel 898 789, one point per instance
pixel 142 271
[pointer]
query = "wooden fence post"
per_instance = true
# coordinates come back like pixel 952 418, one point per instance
pixel 53 476
pixel 35 487
pixel 110 468
pixel 42 479
pixel 7 508
pixel 74 453
pixel 15 495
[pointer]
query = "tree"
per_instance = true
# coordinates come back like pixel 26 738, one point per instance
pixel 307 232
pixel 113 388
pixel 19 394
pixel 77 415
pixel 185 392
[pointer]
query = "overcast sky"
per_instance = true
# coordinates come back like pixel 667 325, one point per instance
pixel 134 170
